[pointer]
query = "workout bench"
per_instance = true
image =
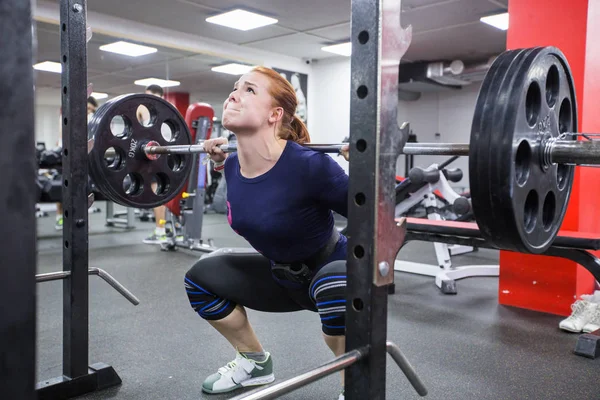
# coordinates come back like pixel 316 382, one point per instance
pixel 574 246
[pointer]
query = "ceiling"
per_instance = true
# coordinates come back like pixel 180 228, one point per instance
pixel 442 30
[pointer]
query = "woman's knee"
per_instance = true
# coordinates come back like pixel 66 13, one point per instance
pixel 328 291
pixel 207 304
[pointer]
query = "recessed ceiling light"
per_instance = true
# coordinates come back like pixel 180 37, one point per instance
pixel 49 66
pixel 98 95
pixel 128 49
pixel 343 49
pixel 242 20
pixel 233 69
pixel 155 81
pixel 499 21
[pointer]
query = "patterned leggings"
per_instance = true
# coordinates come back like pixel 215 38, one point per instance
pixel 227 277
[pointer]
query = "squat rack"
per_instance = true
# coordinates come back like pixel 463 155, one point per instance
pixel 376 141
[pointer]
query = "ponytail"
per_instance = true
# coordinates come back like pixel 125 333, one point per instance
pixel 297 133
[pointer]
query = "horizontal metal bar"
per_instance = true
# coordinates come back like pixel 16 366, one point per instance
pixel 410 148
pixel 278 389
pixel 436 149
pixel 576 152
pixel 395 352
pixel 54 276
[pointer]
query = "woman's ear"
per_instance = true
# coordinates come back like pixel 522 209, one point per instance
pixel 276 115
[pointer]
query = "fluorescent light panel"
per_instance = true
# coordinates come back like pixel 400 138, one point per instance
pixel 241 20
pixel 128 49
pixel 99 95
pixel 49 66
pixel 233 69
pixel 155 81
pixel 499 21
pixel 342 49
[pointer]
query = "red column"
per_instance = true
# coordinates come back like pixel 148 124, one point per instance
pixel 543 283
pixel 180 100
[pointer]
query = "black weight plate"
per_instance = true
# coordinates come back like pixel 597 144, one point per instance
pixel 527 98
pixel 480 149
pixel 128 177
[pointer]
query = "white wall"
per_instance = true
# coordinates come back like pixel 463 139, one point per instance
pixel 329 102
pixel 47 116
pixel 448 113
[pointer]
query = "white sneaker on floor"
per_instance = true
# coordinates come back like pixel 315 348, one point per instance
pixel 594 322
pixel 342 397
pixel 583 312
pixel 239 373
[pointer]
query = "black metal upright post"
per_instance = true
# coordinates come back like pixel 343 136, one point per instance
pixel 17 204
pixel 75 180
pixel 374 239
pixel 78 377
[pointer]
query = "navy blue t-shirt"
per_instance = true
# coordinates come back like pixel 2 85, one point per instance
pixel 285 214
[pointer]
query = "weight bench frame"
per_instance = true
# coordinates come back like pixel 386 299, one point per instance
pixel 574 246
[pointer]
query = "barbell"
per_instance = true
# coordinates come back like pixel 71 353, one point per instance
pixel 522 151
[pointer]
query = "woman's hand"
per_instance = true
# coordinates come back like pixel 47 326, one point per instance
pixel 213 149
pixel 345 152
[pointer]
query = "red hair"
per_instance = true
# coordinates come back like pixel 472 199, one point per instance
pixel 284 96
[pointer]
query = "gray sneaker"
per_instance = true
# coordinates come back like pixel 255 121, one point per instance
pixel 155 239
pixel 240 373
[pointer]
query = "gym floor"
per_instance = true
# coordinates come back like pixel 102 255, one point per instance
pixel 463 347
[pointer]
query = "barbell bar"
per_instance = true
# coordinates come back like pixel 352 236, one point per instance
pixel 521 151
pixel 553 151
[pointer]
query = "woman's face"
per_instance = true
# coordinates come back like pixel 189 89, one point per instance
pixel 249 106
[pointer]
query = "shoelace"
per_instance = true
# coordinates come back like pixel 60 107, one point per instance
pixel 230 365
pixel 595 317
pixel 578 307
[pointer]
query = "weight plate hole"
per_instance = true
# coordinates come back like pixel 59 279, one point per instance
pixel 522 162
pixel 114 159
pixel 358 304
pixel 548 211
pixel 533 103
pixel 160 184
pixel 169 131
pixel 120 126
pixel 552 86
pixel 175 162
pixel 562 176
pixel 146 115
pixel 530 211
pixel 360 199
pixel 363 37
pixel 359 251
pixel 565 121
pixel 133 184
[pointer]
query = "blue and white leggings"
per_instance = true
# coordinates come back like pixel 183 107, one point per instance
pixel 221 280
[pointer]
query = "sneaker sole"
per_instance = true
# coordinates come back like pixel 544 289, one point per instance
pixel 588 330
pixel 262 380
pixel 565 328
